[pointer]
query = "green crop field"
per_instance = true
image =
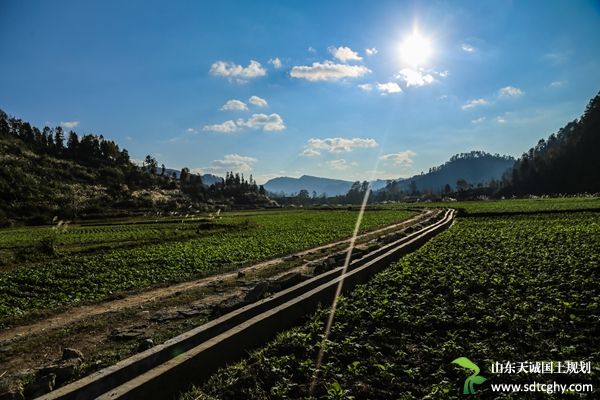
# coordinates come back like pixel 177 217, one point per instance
pixel 520 205
pixel 47 267
pixel 501 288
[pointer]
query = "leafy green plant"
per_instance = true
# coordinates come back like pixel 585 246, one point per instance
pixel 94 264
pixel 520 287
pixel 336 392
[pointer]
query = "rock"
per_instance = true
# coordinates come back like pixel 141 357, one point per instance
pixel 285 281
pixel 164 316
pixel 320 267
pixel 62 371
pixel 199 305
pixel 145 345
pixel 244 283
pixel 69 353
pixel 127 333
pixel 331 262
pixel 357 253
pixel 372 248
pixel 41 386
pixel 228 305
pixel 340 257
pixel 257 292
pixel 190 312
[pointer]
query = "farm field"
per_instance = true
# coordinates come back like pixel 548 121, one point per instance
pixel 495 288
pixel 546 204
pixel 46 268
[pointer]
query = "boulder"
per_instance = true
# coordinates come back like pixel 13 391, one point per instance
pixel 228 305
pixel 285 281
pixel 40 386
pixel 63 371
pixel 164 316
pixel 257 292
pixel 69 353
pixel 190 312
pixel 145 345
pixel 127 333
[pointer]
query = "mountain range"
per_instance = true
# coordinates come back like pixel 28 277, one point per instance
pixel 285 186
pixel 475 168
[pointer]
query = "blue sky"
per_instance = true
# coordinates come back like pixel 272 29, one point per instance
pixel 156 76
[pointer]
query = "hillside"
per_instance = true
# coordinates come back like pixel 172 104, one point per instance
pixel 475 168
pixel 566 163
pixel 462 171
pixel 44 176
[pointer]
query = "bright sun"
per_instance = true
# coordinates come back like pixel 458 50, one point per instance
pixel 416 49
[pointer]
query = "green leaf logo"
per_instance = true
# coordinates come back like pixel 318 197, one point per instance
pixel 472 380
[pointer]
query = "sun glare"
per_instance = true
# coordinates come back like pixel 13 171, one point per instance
pixel 416 49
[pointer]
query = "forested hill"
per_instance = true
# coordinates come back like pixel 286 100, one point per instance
pixel 461 171
pixel 49 173
pixel 566 163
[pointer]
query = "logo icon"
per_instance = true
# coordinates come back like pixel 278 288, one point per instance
pixel 473 379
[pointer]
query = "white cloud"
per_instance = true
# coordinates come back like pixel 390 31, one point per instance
pixel 388 88
pixel 230 162
pixel 557 84
pixel 268 123
pixel 371 52
pixel 413 77
pixel 233 105
pixel 328 71
pixel 402 158
pixel 557 57
pixel 225 127
pixel 468 48
pixel 338 165
pixel 191 130
pixel 500 120
pixel 474 103
pixel 309 153
pixel 338 145
pixel 510 91
pixel 365 86
pixel 478 120
pixel 344 54
pixel 276 62
pixel 311 49
pixel 237 72
pixel 257 101
pixel 69 124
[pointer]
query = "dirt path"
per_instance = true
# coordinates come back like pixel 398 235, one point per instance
pixel 77 314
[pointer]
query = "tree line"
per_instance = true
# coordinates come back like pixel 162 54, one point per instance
pixel 48 172
pixel 565 163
